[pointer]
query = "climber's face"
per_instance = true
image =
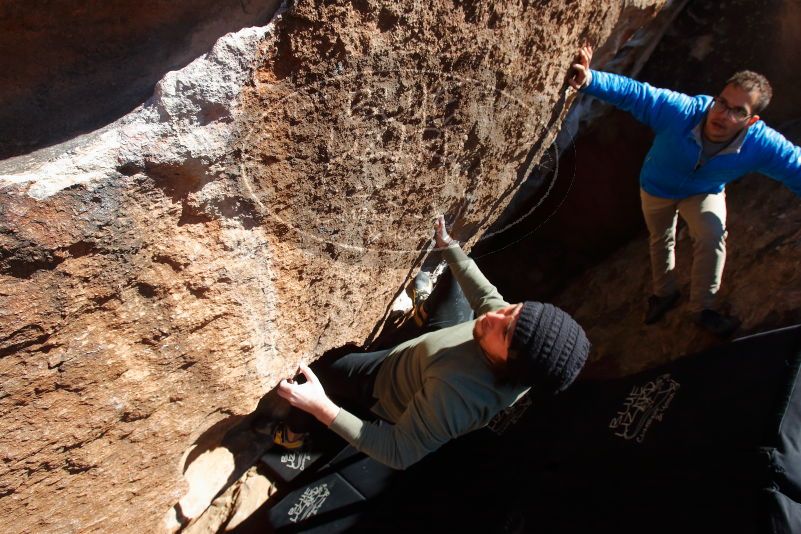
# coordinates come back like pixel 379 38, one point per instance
pixel 493 332
pixel 731 111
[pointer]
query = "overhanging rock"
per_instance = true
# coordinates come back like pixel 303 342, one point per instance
pixel 265 205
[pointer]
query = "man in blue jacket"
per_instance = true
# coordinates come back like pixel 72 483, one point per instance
pixel 701 144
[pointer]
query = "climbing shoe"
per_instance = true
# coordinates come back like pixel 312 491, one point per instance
pixel 283 437
pixel 419 291
pixel 659 306
pixel 264 425
pixel 717 323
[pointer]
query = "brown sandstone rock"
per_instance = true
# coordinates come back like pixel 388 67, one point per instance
pixel 160 275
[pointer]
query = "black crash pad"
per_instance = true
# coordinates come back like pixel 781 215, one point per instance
pixel 708 443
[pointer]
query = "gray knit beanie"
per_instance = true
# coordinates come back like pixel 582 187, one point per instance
pixel 548 348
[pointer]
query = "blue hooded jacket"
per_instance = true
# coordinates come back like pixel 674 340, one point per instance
pixel 672 167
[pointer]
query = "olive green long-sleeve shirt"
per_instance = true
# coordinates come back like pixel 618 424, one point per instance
pixel 435 387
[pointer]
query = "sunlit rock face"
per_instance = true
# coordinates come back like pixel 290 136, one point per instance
pixel 266 204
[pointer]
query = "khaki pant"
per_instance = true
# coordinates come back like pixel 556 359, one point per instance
pixel 705 216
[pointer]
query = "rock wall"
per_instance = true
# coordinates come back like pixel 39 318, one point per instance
pixel 70 67
pixel 160 275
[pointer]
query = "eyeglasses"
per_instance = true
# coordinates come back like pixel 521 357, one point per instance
pixel 737 114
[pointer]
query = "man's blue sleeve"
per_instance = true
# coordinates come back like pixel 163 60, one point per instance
pixel 658 108
pixel 783 161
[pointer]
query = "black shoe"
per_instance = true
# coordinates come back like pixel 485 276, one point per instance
pixel 716 323
pixel 264 424
pixel 659 306
pixel 282 437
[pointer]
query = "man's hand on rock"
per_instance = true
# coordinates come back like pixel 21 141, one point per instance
pixel 309 396
pixel 579 75
pixel 441 237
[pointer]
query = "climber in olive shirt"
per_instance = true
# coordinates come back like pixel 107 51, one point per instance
pixel 445 383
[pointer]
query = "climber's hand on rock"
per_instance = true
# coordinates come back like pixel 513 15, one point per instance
pixel 579 75
pixel 309 396
pixel 441 237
